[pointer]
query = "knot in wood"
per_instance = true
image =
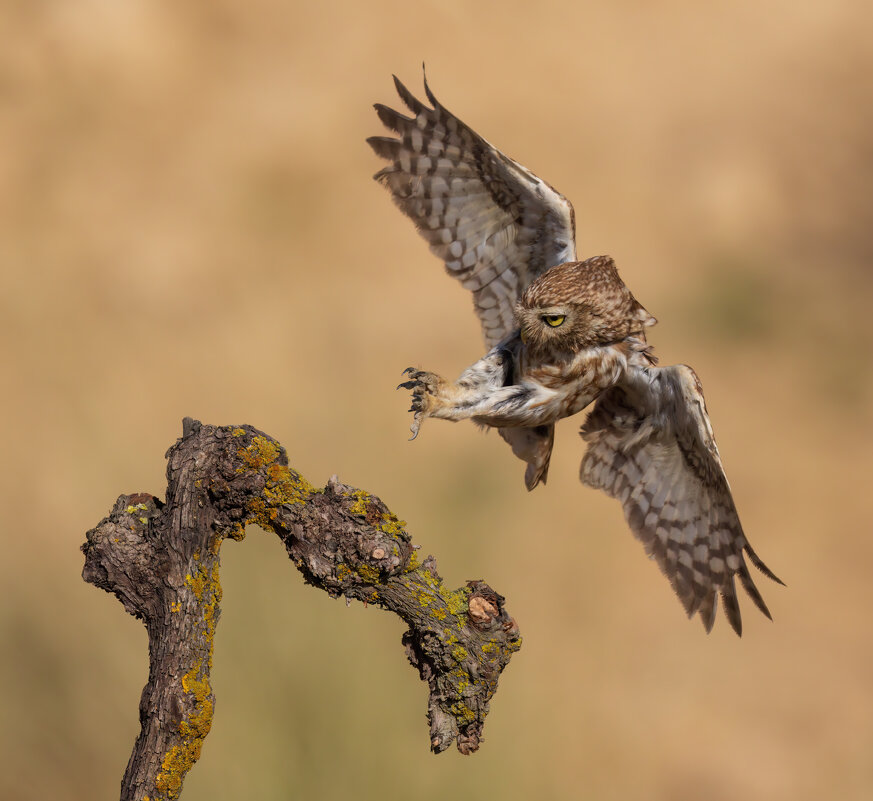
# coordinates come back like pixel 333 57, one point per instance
pixel 482 610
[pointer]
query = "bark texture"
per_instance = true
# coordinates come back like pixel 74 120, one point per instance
pixel 160 559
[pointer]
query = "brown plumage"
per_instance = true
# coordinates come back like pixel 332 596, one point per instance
pixel 563 334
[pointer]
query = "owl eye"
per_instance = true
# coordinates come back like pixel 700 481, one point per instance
pixel 554 320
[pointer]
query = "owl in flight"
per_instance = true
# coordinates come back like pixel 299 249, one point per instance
pixel 562 334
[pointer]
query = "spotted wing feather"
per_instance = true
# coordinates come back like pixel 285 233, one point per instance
pixel 495 224
pixel 650 444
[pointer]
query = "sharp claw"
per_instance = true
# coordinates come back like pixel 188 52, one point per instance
pixel 417 386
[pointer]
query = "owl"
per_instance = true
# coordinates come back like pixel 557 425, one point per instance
pixel 565 334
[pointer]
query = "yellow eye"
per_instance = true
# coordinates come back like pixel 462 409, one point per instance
pixel 554 320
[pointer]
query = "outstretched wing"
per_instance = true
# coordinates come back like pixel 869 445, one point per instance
pixel 651 446
pixel 496 225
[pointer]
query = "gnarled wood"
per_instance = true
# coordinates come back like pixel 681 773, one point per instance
pixel 161 560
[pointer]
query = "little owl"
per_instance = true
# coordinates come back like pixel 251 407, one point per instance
pixel 563 334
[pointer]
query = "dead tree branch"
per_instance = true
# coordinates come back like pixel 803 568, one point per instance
pixel 161 561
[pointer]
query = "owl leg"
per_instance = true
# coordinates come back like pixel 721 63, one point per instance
pixel 516 405
pixel 434 396
pixel 427 391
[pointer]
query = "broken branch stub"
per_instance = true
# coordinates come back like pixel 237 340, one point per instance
pixel 160 559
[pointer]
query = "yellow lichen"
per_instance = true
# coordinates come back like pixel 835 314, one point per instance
pixel 368 573
pixel 433 595
pixel 359 507
pixel 193 728
pixel 283 485
pixel 259 453
pixel 391 525
pixel 455 600
pixel 459 653
pixel 462 712
pixel 462 682
pixel 387 523
pixel 237 532
pixel 238 432
pixel 197 583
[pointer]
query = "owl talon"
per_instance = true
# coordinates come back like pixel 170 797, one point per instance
pixel 425 388
pixel 416 425
pixel 418 404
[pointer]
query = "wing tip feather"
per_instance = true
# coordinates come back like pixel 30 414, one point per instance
pixel 758 563
pixel 753 592
pixel 731 607
pixel 391 118
pixel 430 95
pixel 384 146
pixel 707 611
pixel 409 99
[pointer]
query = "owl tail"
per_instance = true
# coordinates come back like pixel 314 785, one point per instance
pixel 534 446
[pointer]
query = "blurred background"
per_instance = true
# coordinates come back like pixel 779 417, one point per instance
pixel 188 226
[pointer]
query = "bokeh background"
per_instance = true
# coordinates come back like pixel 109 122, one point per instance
pixel 188 226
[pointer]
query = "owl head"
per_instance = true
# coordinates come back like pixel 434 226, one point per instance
pixel 579 305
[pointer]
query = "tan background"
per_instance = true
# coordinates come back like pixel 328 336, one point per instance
pixel 188 227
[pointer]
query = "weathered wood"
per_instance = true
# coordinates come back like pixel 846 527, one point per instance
pixel 161 560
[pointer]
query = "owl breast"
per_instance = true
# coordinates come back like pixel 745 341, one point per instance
pixel 578 380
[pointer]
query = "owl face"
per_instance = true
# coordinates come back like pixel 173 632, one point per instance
pixel 578 305
pixel 553 326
